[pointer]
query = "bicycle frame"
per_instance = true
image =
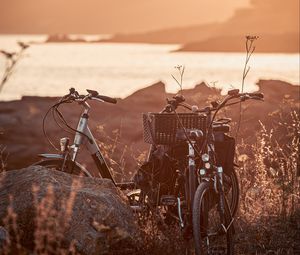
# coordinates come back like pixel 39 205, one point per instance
pixel 85 136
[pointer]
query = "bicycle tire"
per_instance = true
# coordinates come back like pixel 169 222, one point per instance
pixel 203 206
pixel 192 184
pixel 234 197
pixel 57 163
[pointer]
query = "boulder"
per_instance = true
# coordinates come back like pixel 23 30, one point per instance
pixel 88 214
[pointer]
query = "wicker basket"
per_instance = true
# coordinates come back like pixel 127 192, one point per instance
pixel 161 128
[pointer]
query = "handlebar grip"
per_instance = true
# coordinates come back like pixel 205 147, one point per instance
pixel 258 95
pixel 107 99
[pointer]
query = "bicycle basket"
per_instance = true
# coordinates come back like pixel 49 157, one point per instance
pixel 161 128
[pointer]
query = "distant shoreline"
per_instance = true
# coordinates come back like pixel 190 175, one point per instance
pixel 286 43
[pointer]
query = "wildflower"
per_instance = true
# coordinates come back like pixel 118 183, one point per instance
pixel 7 54
pixel 252 37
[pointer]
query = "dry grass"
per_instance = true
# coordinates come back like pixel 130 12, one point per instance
pixel 121 158
pixel 12 59
pixel 49 227
pixel 268 221
pixel 3 158
pixel 269 217
pixel 158 237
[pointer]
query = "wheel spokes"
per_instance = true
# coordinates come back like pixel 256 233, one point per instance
pixel 213 230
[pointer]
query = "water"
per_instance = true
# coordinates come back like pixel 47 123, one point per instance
pixel 117 69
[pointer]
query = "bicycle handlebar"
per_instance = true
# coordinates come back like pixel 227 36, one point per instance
pixel 92 95
pixel 107 99
pixel 178 100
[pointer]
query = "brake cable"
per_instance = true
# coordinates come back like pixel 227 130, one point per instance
pixel 68 126
pixel 55 108
pixel 55 116
pixel 44 127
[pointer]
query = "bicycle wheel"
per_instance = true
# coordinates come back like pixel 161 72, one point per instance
pixel 232 191
pixel 192 184
pixel 209 234
pixel 56 164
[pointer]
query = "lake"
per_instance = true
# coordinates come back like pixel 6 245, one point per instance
pixel 119 69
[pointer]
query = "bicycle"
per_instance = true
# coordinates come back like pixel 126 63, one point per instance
pixel 195 187
pixel 220 139
pixel 192 189
pixel 66 160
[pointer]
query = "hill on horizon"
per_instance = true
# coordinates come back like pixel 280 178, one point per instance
pixel 264 18
pixel 283 43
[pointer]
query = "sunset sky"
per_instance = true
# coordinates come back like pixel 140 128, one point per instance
pixel 110 16
pixel 131 16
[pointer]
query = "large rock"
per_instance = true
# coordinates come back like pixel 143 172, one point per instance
pixel 98 221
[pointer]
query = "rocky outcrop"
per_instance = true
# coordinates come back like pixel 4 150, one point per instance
pixel 87 213
pixel 21 121
pixel 63 38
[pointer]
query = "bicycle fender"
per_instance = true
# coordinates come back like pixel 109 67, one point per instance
pixel 60 157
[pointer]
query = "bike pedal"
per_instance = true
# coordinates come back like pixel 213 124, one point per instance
pixel 168 200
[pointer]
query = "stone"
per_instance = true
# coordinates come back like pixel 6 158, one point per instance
pixel 89 214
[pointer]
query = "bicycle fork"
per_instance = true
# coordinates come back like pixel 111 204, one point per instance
pixel 190 185
pixel 218 186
